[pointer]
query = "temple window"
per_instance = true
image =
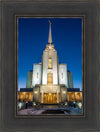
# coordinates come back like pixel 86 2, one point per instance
pixel 37 74
pixel 49 54
pixel 62 75
pixel 50 63
pixel 50 78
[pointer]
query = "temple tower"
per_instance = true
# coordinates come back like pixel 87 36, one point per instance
pixel 50 62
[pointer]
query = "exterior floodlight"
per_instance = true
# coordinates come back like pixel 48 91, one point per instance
pixel 80 105
pixel 64 92
pixel 34 103
pixel 66 103
pixel 20 105
pixel 35 92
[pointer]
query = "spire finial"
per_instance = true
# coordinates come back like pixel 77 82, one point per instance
pixel 50 36
pixel 49 22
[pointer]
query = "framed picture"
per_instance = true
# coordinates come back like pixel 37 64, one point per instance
pixel 50 69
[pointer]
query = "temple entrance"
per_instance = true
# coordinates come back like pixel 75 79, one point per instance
pixel 50 98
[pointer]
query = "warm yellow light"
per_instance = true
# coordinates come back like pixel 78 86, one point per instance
pixel 50 63
pixel 64 92
pixel 50 78
pixel 49 93
pixel 24 93
pixel 35 92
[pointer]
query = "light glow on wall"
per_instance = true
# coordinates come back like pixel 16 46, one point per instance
pixel 35 92
pixel 64 92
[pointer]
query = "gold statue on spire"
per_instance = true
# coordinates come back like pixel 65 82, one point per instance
pixel 49 22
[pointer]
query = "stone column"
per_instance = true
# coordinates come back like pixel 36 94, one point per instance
pixel 57 96
pixel 42 97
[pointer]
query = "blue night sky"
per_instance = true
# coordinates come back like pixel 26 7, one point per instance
pixel 32 40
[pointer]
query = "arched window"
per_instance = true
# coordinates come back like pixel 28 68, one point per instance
pixel 50 78
pixel 50 64
pixel 37 74
pixel 62 75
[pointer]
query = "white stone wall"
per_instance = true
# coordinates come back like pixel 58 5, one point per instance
pixel 36 74
pixel 63 74
pixel 45 67
pixel 55 67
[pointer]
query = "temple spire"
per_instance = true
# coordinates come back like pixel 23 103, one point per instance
pixel 50 36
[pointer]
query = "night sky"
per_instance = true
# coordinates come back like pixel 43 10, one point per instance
pixel 32 40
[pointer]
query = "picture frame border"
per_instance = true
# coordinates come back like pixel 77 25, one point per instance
pixel 8 64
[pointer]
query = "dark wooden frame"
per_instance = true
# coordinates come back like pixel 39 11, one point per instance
pixel 8 59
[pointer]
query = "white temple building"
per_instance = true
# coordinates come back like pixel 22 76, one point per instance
pixel 49 81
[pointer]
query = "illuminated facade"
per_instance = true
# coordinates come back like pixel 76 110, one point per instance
pixel 49 77
pixel 49 80
pixel 50 72
pixel 71 97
